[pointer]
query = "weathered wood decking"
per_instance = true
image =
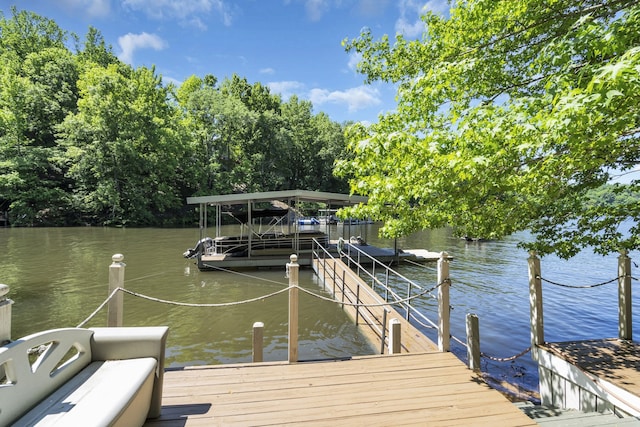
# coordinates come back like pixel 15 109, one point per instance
pixel 610 359
pixel 612 364
pixel 406 389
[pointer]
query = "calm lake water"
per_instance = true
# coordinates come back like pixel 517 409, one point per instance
pixel 58 276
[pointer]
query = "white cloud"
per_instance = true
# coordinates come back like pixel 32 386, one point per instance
pixel 409 23
pixel 286 88
pixel 188 12
pixel 316 8
pixel 355 99
pixel 130 42
pixel 91 8
pixel 371 8
pixel 267 70
pixel 354 59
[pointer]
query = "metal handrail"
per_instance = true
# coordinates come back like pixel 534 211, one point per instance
pixel 361 312
pixel 408 308
pixel 411 311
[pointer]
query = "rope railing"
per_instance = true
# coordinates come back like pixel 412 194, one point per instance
pixel 564 285
pixel 506 359
pixel 247 301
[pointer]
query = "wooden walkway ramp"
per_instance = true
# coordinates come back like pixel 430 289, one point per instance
pixel 371 318
pixel 432 389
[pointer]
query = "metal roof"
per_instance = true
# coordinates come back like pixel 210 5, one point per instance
pixel 334 199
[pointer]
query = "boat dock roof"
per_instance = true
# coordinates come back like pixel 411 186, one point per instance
pixel 334 199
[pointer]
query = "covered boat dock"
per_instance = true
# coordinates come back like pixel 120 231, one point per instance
pixel 257 247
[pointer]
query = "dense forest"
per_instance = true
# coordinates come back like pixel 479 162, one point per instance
pixel 88 140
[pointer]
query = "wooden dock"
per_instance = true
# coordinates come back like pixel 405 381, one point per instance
pixel 407 389
pixel 611 365
pixel 418 386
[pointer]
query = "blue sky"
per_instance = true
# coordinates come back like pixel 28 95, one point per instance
pixel 293 46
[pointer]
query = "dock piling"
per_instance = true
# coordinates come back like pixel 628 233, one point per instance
pixel 395 337
pixel 535 304
pixel 293 268
pixel 444 315
pixel 473 342
pixel 625 325
pixel 258 341
pixel 116 280
pixel 5 314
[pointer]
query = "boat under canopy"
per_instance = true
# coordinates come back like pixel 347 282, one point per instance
pixel 260 244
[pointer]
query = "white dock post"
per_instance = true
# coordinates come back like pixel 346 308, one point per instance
pixel 395 336
pixel 444 314
pixel 473 341
pixel 5 315
pixel 116 280
pixel 258 338
pixel 292 268
pixel 535 304
pixel 625 330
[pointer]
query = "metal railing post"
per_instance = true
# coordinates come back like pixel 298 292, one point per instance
pixel 384 330
pixel 357 302
pixel 408 300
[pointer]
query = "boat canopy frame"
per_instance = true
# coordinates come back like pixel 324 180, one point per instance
pixel 291 197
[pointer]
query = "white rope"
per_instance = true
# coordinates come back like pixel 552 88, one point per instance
pixel 184 304
pixel 229 304
pixel 244 275
pixel 91 316
pixel 188 304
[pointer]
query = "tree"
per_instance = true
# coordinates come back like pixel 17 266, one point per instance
pixel 508 114
pixel 124 144
pixel 37 90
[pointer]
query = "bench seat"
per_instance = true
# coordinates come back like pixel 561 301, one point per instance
pixel 105 393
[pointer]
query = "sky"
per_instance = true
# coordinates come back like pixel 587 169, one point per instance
pixel 292 46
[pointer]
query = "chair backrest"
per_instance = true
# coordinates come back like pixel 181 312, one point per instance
pixel 31 368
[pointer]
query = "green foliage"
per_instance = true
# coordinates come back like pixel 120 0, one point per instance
pixel 509 113
pixel 86 139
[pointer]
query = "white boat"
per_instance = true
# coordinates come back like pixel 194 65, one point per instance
pixel 308 221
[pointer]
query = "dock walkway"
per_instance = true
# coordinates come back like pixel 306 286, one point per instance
pixel 405 389
pixel 412 340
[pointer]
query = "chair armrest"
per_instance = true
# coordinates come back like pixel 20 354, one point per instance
pixel 134 342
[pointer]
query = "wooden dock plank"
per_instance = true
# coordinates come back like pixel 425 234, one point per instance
pixel 610 359
pixel 433 388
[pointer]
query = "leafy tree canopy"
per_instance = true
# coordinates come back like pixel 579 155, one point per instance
pixel 508 114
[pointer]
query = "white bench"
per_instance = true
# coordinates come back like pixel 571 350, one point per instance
pixel 88 377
